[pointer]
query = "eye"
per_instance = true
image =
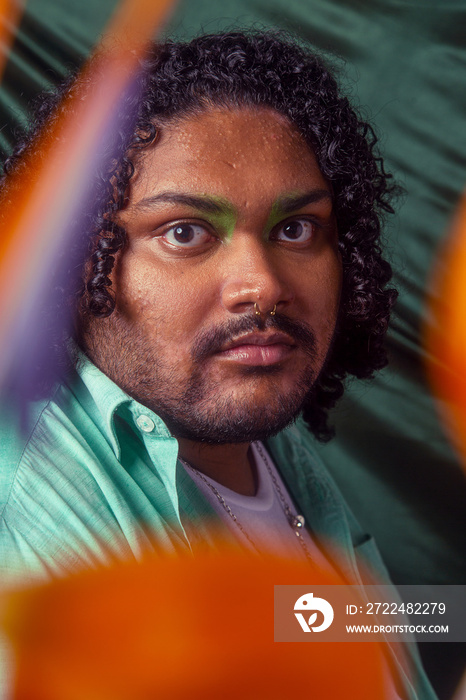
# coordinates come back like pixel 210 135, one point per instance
pixel 295 231
pixel 187 235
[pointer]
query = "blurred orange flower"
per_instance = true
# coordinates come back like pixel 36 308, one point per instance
pixel 178 628
pixel 445 332
pixel 10 15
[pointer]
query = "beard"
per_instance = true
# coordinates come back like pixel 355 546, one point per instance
pixel 208 415
pixel 202 409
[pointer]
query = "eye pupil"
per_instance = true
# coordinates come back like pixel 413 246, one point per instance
pixel 293 230
pixel 183 234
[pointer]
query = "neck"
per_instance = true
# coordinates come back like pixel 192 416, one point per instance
pixel 229 465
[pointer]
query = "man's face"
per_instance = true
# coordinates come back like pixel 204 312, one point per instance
pixel 227 210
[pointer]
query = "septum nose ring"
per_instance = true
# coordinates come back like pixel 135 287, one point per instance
pixel 258 312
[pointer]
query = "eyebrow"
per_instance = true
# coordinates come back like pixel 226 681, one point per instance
pixel 203 203
pixel 291 203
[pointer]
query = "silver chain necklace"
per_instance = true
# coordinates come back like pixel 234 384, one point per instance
pixel 296 522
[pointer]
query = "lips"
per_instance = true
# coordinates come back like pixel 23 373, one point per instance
pixel 259 349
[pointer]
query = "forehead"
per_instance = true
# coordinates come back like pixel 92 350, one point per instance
pixel 225 152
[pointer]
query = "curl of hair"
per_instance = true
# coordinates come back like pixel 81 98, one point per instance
pixel 231 70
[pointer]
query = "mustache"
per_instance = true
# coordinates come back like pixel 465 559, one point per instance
pixel 211 340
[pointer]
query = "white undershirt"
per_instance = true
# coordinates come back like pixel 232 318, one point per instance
pixel 262 516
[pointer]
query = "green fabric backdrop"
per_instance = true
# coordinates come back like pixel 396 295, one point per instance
pixel 405 64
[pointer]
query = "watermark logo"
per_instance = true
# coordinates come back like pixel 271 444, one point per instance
pixel 345 613
pixel 308 603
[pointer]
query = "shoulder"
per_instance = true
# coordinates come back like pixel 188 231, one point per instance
pixel 41 437
pixel 52 455
pixel 18 427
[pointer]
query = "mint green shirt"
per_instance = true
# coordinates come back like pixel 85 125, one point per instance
pixel 95 478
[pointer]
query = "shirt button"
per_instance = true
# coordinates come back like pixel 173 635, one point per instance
pixel 145 423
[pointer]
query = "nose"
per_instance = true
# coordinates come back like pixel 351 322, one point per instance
pixel 254 278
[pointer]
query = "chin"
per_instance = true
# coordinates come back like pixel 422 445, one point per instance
pixel 230 422
pixel 228 434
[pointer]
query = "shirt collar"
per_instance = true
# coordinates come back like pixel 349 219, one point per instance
pixel 109 398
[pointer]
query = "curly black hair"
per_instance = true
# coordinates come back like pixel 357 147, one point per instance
pixel 253 69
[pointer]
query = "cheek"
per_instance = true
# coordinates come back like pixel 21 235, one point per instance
pixel 161 303
pixel 324 291
pixel 137 294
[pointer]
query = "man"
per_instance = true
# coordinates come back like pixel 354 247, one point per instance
pixel 234 280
